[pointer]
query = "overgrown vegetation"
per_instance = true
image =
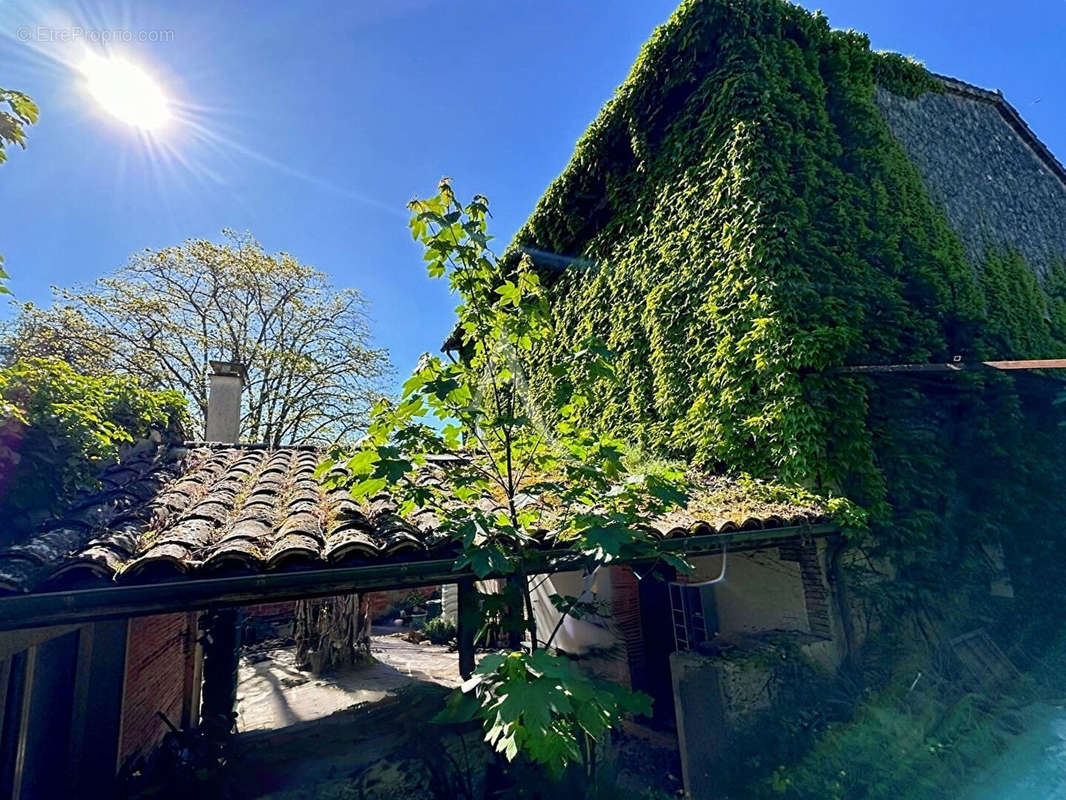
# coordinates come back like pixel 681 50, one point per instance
pixel 17 111
pixel 439 630
pixel 739 222
pixel 902 723
pixel 505 480
pixel 743 222
pixel 58 428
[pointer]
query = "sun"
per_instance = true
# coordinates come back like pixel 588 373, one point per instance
pixel 126 91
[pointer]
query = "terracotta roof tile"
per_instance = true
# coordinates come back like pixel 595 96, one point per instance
pixel 204 508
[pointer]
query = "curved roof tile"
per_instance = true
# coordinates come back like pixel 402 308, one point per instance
pixel 200 508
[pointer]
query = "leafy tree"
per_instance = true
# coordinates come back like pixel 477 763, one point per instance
pixel 17 111
pixel 58 427
pixel 20 111
pixel 507 481
pixel 60 332
pixel 312 371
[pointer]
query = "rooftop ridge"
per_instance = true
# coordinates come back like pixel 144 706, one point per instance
pixel 1011 117
pixel 198 443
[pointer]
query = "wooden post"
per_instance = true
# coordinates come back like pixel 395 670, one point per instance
pixel 514 617
pixel 221 645
pixel 466 625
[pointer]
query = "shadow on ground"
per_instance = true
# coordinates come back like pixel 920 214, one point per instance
pixel 368 733
pixel 388 749
pixel 273 693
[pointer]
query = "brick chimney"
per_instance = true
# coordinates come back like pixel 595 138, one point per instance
pixel 224 401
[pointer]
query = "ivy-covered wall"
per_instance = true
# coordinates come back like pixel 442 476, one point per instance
pixel 995 188
pixel 739 220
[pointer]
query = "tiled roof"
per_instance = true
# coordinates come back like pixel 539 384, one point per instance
pixel 1011 117
pixel 209 509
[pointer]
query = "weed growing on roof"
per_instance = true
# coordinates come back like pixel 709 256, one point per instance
pixel 59 428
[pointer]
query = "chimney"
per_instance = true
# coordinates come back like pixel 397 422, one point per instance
pixel 224 401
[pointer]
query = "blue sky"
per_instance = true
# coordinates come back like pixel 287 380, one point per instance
pixel 312 124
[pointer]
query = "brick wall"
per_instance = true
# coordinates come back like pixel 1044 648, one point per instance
pixel 160 655
pixel 271 609
pixel 625 608
pixel 382 603
pixel 815 592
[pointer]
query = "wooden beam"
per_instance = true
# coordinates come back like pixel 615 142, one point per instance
pixel 1033 363
pixel 955 366
pixel 118 601
pixel 222 644
pixel 466 623
pixel 25 711
pixel 81 704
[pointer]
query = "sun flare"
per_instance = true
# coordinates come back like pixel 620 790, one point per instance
pixel 126 91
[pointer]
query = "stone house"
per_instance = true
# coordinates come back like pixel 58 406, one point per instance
pixel 773 574
pixel 114 590
pixel 632 238
pixel 121 609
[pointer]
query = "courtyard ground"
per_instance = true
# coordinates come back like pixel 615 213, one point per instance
pixel 367 733
pixel 272 693
pixel 384 750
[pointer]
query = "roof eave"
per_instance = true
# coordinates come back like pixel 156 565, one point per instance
pixel 116 602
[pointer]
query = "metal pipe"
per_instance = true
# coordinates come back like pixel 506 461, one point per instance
pixel 713 581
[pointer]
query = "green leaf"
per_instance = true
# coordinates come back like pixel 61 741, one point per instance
pixel 490 663
pixel 362 463
pixel 368 488
pixel 415 382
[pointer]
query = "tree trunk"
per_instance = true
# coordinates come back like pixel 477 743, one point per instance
pixel 332 633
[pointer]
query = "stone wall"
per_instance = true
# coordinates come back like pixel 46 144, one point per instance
pixel 984 167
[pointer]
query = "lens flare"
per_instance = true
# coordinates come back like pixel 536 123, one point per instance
pixel 126 91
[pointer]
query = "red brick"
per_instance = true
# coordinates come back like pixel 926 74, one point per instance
pixel 625 609
pixel 271 609
pixel 160 651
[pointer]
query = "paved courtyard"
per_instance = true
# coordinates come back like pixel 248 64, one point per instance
pixel 272 693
